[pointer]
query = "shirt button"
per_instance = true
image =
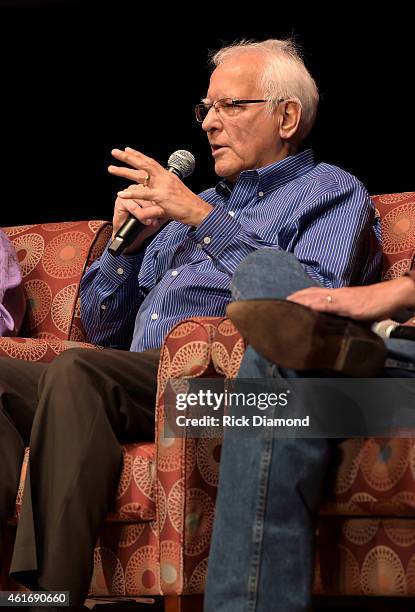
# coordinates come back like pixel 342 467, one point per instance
pixel 103 307
pixel 231 212
pixel 260 193
pixel 207 239
pixel 154 316
pixel 120 271
pixel 174 273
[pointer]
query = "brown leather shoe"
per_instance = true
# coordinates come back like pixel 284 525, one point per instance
pixel 296 337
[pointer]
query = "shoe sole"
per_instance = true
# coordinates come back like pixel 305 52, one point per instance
pixel 296 337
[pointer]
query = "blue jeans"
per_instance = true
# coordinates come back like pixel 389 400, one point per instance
pixel 262 552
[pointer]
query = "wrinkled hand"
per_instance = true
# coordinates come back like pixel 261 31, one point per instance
pixel 367 303
pixel 167 196
pixel 136 208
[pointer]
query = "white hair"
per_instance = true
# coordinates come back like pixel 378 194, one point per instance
pixel 284 76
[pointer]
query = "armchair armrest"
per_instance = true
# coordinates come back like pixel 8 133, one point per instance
pixel 185 498
pixel 188 468
pixel 228 348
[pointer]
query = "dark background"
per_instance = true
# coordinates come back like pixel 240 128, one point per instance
pixel 79 78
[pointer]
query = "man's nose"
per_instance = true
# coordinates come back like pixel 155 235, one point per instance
pixel 211 121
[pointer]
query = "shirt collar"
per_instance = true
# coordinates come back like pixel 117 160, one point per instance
pixel 273 176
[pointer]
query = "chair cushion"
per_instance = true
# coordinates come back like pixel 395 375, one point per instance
pixel 366 556
pixel 38 349
pixel 373 476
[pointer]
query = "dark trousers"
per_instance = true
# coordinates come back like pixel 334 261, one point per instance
pixel 74 413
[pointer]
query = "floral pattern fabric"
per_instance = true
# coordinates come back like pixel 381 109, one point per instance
pixel 157 539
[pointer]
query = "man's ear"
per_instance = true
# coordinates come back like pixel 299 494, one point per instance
pixel 289 119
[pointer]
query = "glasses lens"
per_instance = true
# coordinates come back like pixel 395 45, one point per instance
pixel 201 112
pixel 225 107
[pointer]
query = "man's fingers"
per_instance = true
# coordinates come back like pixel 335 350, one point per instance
pixel 135 159
pixel 150 212
pixel 144 203
pixel 138 176
pixel 321 301
pixel 133 151
pixel 305 292
pixel 136 192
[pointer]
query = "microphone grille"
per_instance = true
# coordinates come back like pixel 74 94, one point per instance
pixel 384 328
pixel 182 161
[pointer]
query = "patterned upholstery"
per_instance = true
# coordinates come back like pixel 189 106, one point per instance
pixel 371 556
pixel 53 257
pixel 366 537
pixel 156 541
pixel 135 500
pixel 187 469
pixel 398 232
pixel 131 557
pixel 37 349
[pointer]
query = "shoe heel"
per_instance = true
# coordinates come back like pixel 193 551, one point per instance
pixel 361 357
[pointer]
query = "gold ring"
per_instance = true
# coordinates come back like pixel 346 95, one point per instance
pixel 145 182
pixel 329 299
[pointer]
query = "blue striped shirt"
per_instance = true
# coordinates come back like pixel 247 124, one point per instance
pixel 319 212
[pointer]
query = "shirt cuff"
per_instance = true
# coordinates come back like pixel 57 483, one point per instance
pixel 215 233
pixel 118 269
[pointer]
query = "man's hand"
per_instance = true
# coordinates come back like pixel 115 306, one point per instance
pixel 136 208
pixel 168 196
pixel 165 194
pixel 370 303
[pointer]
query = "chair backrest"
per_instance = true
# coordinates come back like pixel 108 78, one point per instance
pixel 53 257
pixel 397 215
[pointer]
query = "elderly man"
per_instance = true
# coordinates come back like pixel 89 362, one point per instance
pixel 260 105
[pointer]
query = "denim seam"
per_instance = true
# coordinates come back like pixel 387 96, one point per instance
pixel 402 365
pixel 258 530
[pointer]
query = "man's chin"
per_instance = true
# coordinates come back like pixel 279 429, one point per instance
pixel 226 171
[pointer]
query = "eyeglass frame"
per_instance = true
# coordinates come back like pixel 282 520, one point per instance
pixel 233 102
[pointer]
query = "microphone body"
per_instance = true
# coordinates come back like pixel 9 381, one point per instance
pixel 392 329
pixel 180 163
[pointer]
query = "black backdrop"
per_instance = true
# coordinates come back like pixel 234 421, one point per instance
pixel 79 78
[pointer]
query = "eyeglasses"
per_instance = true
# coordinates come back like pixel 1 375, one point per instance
pixel 226 107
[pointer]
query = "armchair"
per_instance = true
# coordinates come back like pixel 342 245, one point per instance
pixel 130 558
pixel 366 535
pixel 156 540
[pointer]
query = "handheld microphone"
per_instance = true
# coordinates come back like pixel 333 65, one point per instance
pixel 392 329
pixel 182 164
